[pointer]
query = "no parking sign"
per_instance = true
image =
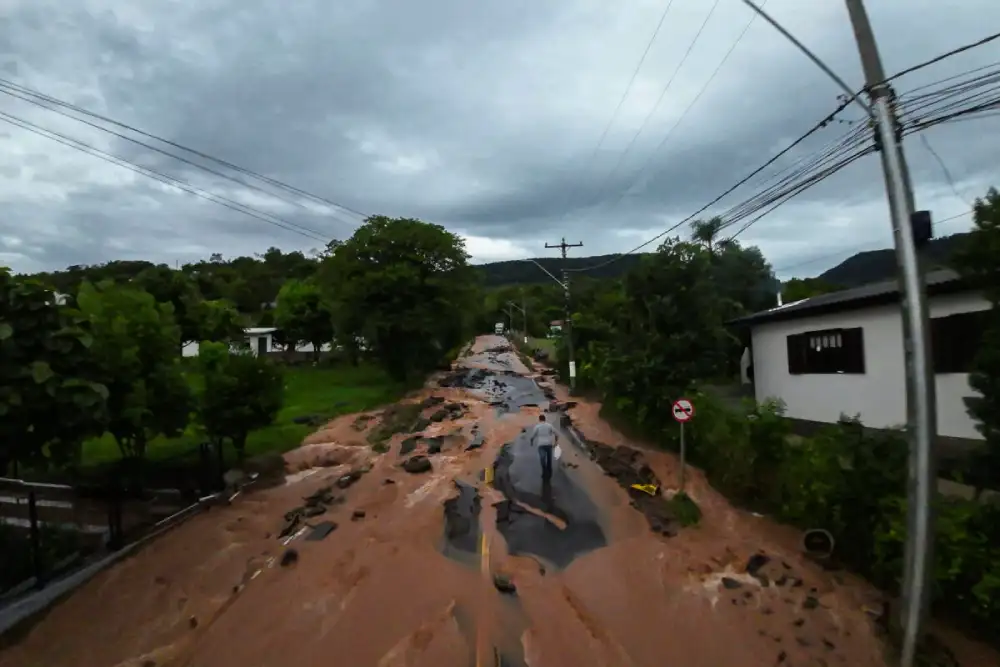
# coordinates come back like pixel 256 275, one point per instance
pixel 683 410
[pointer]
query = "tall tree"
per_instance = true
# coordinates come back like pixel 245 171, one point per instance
pixel 178 289
pixel 979 261
pixel 49 402
pixel 218 321
pixel 240 394
pixel 135 350
pixel 706 232
pixel 669 332
pixel 303 316
pixel 406 287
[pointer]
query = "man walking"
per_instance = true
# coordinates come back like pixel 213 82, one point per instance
pixel 544 436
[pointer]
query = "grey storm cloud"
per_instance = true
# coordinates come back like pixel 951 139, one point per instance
pixel 483 117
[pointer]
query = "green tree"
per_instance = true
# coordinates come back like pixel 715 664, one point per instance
pixel 797 289
pixel 406 287
pixel 978 261
pixel 241 393
pixel 669 333
pixel 302 315
pixel 135 350
pixel 49 402
pixel 181 292
pixel 218 321
pixel 706 232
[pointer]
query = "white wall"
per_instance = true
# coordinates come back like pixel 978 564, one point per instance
pixel 879 395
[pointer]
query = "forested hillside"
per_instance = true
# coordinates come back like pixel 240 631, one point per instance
pixel 875 265
pixel 526 272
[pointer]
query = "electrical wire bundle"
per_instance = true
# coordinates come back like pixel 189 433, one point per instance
pixel 976 91
pixel 248 179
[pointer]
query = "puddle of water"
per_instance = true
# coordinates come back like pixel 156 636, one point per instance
pixel 461 522
pixel 555 521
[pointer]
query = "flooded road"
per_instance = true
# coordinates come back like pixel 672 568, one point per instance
pixel 445 547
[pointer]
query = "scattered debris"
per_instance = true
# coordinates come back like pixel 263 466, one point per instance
pixel 193 622
pixel 478 439
pixel 321 530
pixel 399 418
pixel 417 464
pixel 504 584
pixel 731 583
pixel 349 479
pixel 629 469
pixel 290 557
pixel 361 422
pixel 357 514
pixel 408 445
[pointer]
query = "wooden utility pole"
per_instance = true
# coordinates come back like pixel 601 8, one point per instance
pixel 568 324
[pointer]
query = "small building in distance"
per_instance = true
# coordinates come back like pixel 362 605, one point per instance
pixel 842 353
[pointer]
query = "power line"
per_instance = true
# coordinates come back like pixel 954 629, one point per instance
pixel 631 81
pixel 8 84
pixel 944 169
pixel 815 128
pixel 659 100
pixel 944 56
pixel 163 178
pixel 690 106
pixel 174 156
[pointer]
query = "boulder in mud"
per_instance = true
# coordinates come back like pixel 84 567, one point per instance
pixel 408 445
pixel 417 464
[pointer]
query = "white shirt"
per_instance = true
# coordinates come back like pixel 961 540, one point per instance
pixel 544 435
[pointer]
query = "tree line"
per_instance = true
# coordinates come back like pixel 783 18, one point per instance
pixel 97 350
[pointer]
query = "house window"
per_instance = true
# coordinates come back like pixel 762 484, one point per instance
pixel 955 340
pixel 828 351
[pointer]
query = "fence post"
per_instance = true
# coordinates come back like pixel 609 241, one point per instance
pixel 36 539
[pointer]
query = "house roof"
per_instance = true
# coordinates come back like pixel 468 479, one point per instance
pixel 942 281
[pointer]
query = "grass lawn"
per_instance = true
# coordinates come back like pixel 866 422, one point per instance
pixel 327 392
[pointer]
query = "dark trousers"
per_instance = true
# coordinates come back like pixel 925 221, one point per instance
pixel 545 456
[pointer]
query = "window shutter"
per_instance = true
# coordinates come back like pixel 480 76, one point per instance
pixel 854 350
pixel 796 353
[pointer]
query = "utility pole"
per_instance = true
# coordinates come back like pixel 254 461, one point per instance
pixel 920 398
pixel 524 311
pixel 562 245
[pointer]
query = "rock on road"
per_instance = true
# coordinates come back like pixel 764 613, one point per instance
pixel 472 562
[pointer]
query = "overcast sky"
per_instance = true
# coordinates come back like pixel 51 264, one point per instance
pixel 481 116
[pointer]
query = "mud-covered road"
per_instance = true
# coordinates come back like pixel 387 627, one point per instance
pixel 448 549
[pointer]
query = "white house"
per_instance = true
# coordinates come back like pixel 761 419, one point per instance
pixel 842 353
pixel 260 339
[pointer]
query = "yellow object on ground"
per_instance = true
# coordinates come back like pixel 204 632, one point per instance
pixel 651 489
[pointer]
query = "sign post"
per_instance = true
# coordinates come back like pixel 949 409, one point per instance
pixel 683 410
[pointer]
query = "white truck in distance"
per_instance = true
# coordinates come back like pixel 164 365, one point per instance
pixel 498 328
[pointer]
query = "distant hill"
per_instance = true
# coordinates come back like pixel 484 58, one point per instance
pixel 526 272
pixel 877 265
pixel 860 269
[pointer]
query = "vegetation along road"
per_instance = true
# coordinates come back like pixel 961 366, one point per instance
pixel 396 513
pixel 447 549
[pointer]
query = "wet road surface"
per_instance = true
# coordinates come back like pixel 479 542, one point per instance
pixel 553 520
pixel 466 559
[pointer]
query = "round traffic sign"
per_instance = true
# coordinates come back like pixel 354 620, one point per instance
pixel 683 410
